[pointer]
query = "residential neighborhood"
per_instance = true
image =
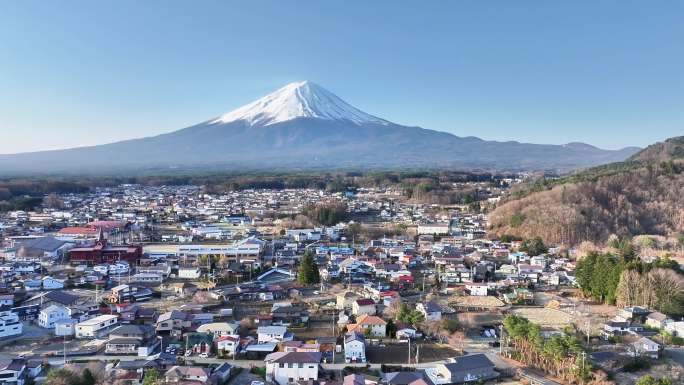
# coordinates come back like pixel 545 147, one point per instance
pixel 210 288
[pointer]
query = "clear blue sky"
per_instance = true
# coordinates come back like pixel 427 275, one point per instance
pixel 610 73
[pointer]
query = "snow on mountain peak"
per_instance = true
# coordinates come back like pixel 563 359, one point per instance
pixel 298 100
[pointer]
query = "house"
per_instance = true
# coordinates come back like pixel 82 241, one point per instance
pixel 363 306
pixel 50 283
pixel 291 367
pixel 119 293
pixel 657 320
pixel 356 379
pixel 645 347
pixel 222 373
pixel 96 327
pixel 267 334
pixel 619 328
pixel 184 289
pixel 219 329
pixel 286 314
pixel 276 275
pixel 376 326
pixel 474 367
pixel 180 374
pixel 199 343
pixel 676 328
pixel 430 310
pixel 346 300
pixel 10 325
pixel 13 371
pixel 7 300
pixel 403 378
pixel 477 289
pixel 406 331
pixel 633 313
pixel 354 347
pixel 132 340
pixel 189 272
pixel 173 323
pixel 227 345
pixel 65 328
pixel 52 314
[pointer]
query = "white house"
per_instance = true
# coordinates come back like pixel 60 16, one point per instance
pixel 430 310
pixel 354 348
pixel 647 347
pixel 228 344
pixel 51 314
pixel 272 334
pixel 65 327
pixel 375 325
pixel 292 367
pixel 477 289
pixel 7 300
pixel 363 306
pixel 50 283
pixel 10 325
pixel 189 272
pixel 433 228
pixel 13 371
pixel 219 329
pixel 406 331
pixel 95 327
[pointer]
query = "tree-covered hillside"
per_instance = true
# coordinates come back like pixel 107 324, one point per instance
pixel 641 196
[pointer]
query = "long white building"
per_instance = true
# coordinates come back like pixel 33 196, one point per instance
pixel 249 249
pixel 95 327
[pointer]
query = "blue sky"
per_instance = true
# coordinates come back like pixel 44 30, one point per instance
pixel 609 73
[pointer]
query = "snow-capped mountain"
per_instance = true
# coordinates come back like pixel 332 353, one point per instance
pixel 304 126
pixel 298 100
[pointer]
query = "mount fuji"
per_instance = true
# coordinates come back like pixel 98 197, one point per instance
pixel 304 126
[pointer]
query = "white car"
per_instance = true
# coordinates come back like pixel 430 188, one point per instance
pixel 257 383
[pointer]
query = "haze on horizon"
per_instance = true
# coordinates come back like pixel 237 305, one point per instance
pixel 79 73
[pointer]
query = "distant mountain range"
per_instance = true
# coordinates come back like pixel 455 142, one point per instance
pixel 304 126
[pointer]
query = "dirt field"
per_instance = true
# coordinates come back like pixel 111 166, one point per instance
pixel 474 320
pixel 544 317
pixel 315 329
pixel 398 353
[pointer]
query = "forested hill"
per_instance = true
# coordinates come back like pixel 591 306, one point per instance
pixel 640 196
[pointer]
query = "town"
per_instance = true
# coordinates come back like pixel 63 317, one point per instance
pixel 144 284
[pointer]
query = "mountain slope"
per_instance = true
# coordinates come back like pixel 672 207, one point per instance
pixel 302 125
pixel 639 196
pixel 672 148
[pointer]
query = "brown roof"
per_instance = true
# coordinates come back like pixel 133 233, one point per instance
pixel 365 302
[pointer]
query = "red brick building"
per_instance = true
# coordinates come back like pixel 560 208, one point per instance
pixel 102 252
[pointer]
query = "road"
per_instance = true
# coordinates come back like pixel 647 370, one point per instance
pixel 676 354
pixel 247 364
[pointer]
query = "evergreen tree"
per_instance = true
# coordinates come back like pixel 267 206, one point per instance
pixel 534 246
pixel 308 269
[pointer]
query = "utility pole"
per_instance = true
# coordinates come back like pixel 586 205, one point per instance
pixel 161 346
pixel 417 353
pixel 588 331
pixel 409 350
